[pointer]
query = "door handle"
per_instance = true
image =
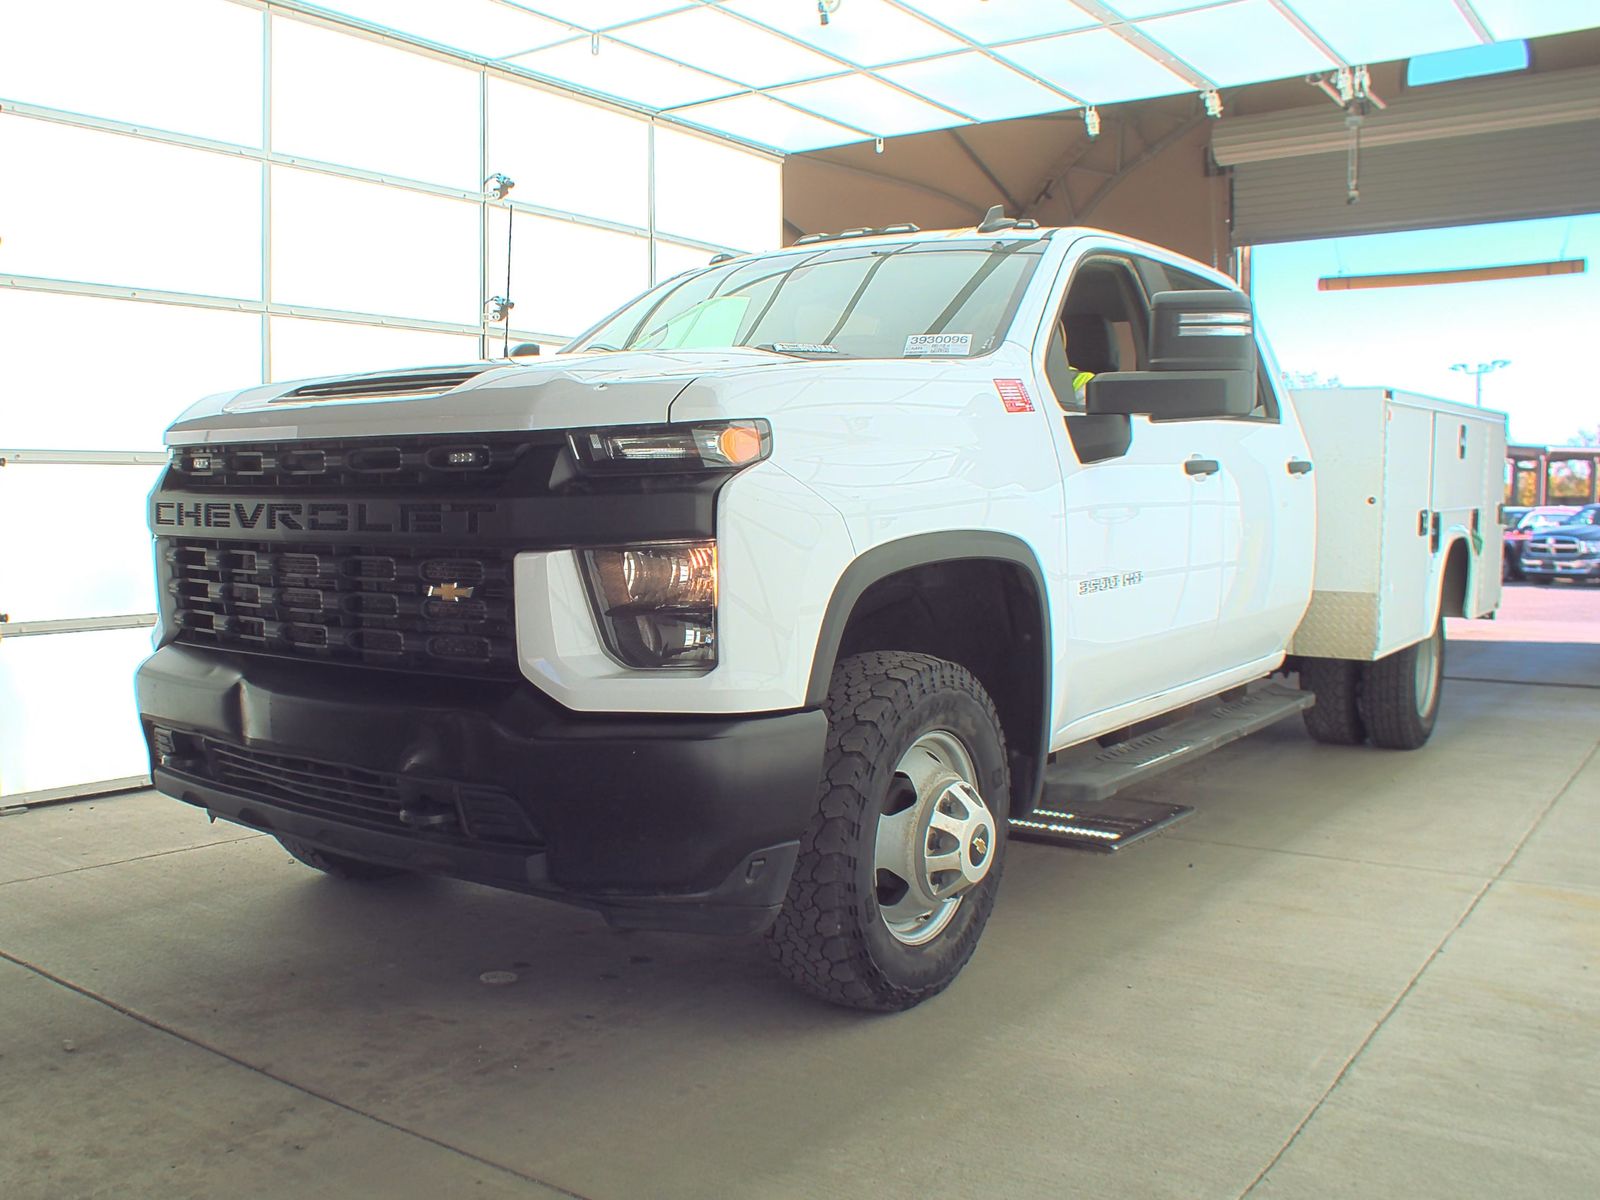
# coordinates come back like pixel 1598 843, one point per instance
pixel 1201 466
pixel 1299 466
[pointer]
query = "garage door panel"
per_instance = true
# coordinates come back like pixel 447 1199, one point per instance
pixel 1449 181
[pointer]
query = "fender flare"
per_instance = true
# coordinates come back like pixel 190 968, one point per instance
pixel 890 558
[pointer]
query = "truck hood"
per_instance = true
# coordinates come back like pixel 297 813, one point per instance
pixel 1581 533
pixel 563 391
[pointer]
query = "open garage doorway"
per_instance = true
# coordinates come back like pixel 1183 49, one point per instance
pixel 1338 315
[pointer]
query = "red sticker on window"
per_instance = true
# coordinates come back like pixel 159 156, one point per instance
pixel 1013 395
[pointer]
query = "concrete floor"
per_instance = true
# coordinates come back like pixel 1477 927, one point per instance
pixel 1352 973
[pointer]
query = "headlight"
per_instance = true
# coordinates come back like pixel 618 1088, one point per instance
pixel 657 604
pixel 715 446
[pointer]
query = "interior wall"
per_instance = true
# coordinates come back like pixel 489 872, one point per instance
pixel 1171 200
pixel 1145 176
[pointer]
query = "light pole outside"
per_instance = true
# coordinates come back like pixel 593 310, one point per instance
pixel 1479 371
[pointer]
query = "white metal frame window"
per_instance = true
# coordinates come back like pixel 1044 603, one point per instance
pixel 266 192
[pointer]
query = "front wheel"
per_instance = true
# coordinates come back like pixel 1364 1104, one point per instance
pixel 1400 693
pixel 899 867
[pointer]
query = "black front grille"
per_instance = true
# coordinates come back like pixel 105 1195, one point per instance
pixel 460 463
pixel 444 808
pixel 444 611
pixel 1556 546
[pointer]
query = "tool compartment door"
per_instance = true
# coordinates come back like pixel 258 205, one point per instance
pixel 1406 574
pixel 1467 455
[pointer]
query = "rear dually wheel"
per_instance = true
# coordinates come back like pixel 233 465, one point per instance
pixel 1399 700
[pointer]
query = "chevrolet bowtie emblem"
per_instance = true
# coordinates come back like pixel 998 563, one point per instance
pixel 450 591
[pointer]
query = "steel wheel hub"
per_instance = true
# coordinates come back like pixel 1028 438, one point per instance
pixel 935 839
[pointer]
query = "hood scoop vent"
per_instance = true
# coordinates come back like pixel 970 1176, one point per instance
pixel 384 387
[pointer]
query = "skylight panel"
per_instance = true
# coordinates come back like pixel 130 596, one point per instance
pixel 625 73
pixel 1007 21
pixel 1096 65
pixel 978 86
pixel 869 104
pixel 706 38
pixel 1369 31
pixel 764 121
pixel 1242 43
pixel 869 33
pixel 1135 10
pixel 479 27
pixel 595 14
pixel 1509 19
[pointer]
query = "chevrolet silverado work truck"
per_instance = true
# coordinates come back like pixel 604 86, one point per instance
pixel 786 595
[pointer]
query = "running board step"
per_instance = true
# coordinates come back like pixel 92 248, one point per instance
pixel 1108 826
pixel 1075 809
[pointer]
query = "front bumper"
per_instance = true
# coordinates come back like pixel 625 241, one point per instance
pixel 1559 568
pixel 679 822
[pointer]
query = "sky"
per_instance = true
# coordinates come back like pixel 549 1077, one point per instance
pixel 1407 338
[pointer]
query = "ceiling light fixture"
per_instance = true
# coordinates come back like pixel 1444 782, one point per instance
pixel 826 9
pixel 1091 121
pixel 1212 99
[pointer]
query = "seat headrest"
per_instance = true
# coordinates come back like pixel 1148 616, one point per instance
pixel 1089 343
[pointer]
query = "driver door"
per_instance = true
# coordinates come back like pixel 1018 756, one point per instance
pixel 1143 527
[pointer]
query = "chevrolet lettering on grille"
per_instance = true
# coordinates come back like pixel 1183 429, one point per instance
pixel 321 516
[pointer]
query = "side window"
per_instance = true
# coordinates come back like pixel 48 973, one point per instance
pixel 1102 325
pixel 1179 280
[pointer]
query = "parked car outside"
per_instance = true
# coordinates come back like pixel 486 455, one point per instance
pixel 1535 519
pixel 1589 514
pixel 1570 551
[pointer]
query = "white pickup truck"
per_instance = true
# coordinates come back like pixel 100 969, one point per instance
pixel 780 599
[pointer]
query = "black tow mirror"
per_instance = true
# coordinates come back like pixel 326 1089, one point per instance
pixel 1202 357
pixel 1202 331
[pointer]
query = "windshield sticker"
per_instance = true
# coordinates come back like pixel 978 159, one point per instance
pixel 939 343
pixel 1014 395
pixel 804 348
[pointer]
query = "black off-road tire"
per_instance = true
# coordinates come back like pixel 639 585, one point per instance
pixel 1335 719
pixel 1398 712
pixel 830 936
pixel 353 870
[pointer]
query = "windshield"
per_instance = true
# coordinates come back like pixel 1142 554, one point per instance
pixel 916 299
pixel 1543 520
